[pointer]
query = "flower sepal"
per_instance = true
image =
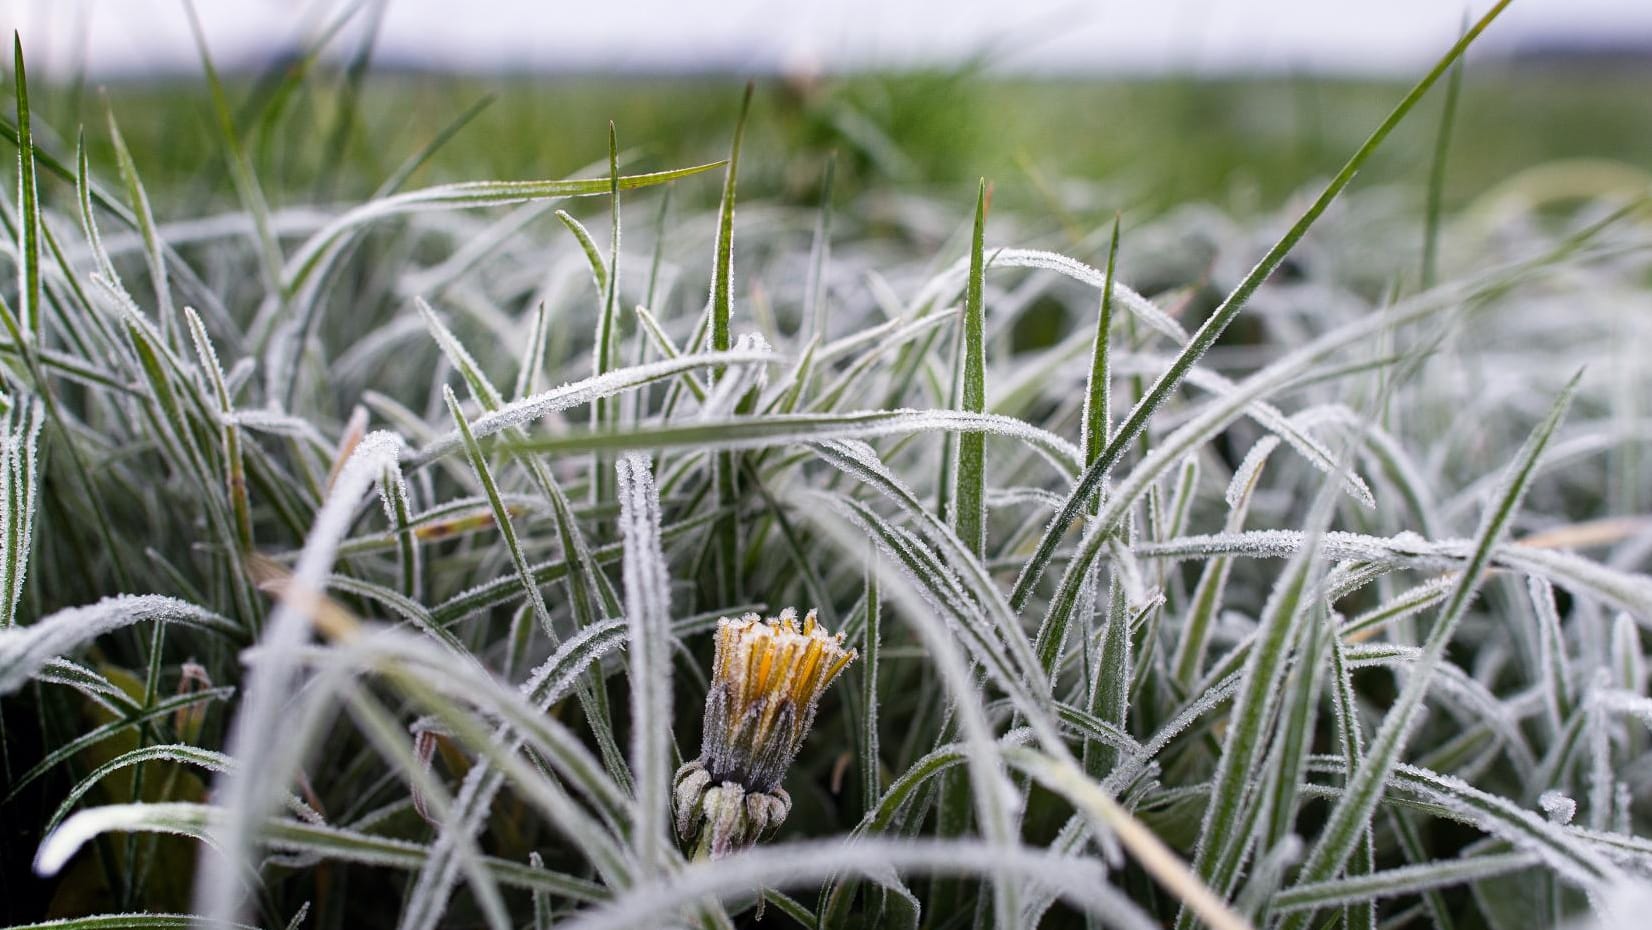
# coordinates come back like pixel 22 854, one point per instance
pixel 717 819
pixel 767 678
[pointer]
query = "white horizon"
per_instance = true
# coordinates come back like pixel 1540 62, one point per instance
pixel 111 39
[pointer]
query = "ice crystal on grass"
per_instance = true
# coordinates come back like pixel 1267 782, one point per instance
pixel 1559 808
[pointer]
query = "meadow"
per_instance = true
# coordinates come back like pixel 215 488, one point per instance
pixel 1221 502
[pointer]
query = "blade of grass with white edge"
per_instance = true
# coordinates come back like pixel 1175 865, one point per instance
pixel 1286 768
pixel 137 718
pixel 606 343
pixel 1351 739
pixel 1405 880
pixel 726 532
pixel 1139 307
pixel 969 510
pixel 1207 594
pixel 1622 590
pixel 29 310
pixel 1078 881
pixel 1348 819
pixel 501 516
pixel 393 493
pixel 648 611
pixel 123 922
pixel 871 778
pixel 531 368
pixel 201 822
pixel 24 650
pixel 1109 691
pixel 756 432
pixel 263 768
pixel 138 198
pixel 1582 858
pixel 176 753
pixel 234 461
pixel 1556 676
pixel 95 686
pixel 324 243
pixel 1097 426
pixel 1220 318
pixel 499 416
pixel 1098 394
pixel 19 473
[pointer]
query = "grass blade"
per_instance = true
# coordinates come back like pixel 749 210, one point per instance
pixel 969 511
pixel 648 609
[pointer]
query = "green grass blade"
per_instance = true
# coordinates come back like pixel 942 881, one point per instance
pixel 1436 176
pixel 138 198
pixel 871 776
pixel 1098 395
pixel 969 509
pixel 820 253
pixel 30 312
pixel 726 534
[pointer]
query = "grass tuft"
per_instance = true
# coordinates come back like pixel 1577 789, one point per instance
pixel 373 541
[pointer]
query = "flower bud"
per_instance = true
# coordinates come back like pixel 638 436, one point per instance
pixel 767 678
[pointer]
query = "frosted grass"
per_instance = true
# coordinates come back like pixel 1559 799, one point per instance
pixel 1125 671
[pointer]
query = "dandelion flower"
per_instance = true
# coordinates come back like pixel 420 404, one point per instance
pixel 766 681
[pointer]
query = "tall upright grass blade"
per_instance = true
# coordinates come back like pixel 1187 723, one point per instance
pixel 31 314
pixel 1436 176
pixel 648 609
pixel 20 478
pixel 1098 396
pixel 726 533
pixel 969 511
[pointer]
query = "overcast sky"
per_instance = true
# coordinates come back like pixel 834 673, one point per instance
pixel 1360 36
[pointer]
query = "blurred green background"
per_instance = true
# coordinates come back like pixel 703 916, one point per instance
pixel 1142 144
